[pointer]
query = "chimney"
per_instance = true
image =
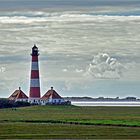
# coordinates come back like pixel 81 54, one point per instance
pixel 19 88
pixel 51 88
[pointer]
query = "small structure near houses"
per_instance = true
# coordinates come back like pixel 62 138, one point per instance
pixel 52 97
pixel 19 95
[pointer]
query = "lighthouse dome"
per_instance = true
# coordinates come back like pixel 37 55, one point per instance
pixel 35 51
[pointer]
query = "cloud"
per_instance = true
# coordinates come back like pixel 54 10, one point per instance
pixel 104 66
pixel 39 17
pixel 79 70
pixel 2 69
pixel 65 70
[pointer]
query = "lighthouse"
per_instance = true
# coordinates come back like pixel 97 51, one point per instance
pixel 50 97
pixel 34 95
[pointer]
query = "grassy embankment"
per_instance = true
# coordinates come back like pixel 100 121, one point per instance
pixel 70 122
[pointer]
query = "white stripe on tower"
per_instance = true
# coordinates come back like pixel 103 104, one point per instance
pixel 35 66
pixel 35 81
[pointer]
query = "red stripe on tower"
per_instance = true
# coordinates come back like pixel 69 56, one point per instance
pixel 34 74
pixel 35 81
pixel 34 92
pixel 34 58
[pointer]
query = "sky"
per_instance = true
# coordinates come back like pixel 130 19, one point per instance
pixel 87 48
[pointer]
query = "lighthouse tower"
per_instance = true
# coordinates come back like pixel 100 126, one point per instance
pixel 34 96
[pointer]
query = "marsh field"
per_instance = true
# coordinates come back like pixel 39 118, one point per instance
pixel 42 122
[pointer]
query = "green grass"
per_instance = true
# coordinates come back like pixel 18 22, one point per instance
pixel 70 122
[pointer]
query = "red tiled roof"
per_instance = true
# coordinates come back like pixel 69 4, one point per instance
pixel 51 94
pixel 18 94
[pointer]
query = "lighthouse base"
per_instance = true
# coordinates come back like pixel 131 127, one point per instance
pixel 34 100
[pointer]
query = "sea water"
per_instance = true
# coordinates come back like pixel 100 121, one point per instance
pixel 103 103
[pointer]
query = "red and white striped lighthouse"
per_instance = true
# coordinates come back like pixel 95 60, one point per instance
pixel 34 96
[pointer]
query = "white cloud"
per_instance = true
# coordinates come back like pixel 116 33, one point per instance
pixel 105 67
pixel 65 70
pixel 2 69
pixel 39 17
pixel 79 70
